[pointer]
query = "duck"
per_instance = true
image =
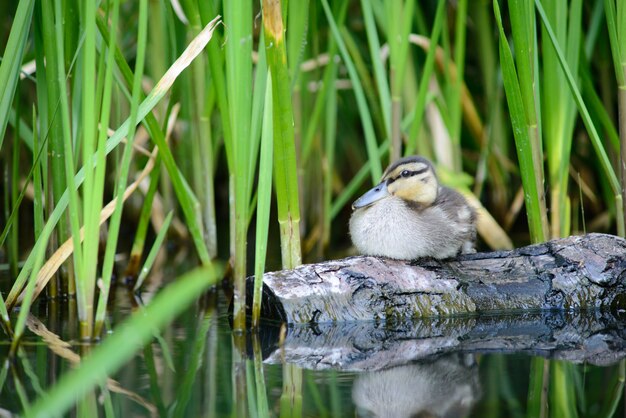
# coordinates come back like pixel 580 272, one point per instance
pixel 410 215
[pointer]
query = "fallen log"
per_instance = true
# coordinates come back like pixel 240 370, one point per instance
pixel 574 273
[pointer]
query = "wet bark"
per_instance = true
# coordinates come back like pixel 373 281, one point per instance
pixel 575 273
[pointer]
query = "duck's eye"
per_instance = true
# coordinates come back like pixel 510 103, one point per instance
pixel 405 173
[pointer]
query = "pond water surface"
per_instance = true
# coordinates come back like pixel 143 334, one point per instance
pixel 487 366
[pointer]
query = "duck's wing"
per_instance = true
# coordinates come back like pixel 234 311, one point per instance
pixel 455 205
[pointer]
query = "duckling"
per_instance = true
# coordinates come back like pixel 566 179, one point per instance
pixel 409 215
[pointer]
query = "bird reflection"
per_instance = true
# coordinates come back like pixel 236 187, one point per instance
pixel 447 387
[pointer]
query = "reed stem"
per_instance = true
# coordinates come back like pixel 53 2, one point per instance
pixel 238 20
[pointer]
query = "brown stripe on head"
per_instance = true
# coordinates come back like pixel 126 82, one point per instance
pixel 411 163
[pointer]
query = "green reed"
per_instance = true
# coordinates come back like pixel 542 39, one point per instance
pixel 35 259
pixel 616 24
pixel 615 391
pixel 94 179
pixel 124 168
pixel 365 116
pixel 420 105
pixel 287 196
pixel 373 43
pixel 360 109
pixel 151 257
pixel 563 399
pixel 285 174
pixel 10 68
pixel 559 108
pixel 455 86
pixel 60 141
pixel 597 143
pixel 184 194
pixel 11 199
pixel 414 69
pixel 495 137
pixel 519 78
pixel 264 193
pixel 238 21
pixel 144 222
pixel 128 338
pixel 399 22
pixel 200 136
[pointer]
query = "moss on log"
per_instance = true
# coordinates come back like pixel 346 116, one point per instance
pixel 574 273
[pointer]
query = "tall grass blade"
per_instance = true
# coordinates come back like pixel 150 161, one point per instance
pixel 363 73
pixel 157 93
pixel 537 390
pixel 200 141
pixel 366 118
pixel 158 241
pixel 524 121
pixel 38 257
pixel 259 378
pixel 12 197
pixel 92 193
pixel 257 119
pixel 285 174
pixel 598 146
pixel 298 18
pixel 65 141
pixel 563 402
pixel 615 392
pixel 456 85
pixel 196 357
pixel 155 390
pixel 616 24
pixel 147 208
pixel 327 86
pixel 12 62
pixel 427 72
pixel 330 141
pixel 4 315
pixel 377 66
pixel 65 250
pixel 263 203
pixel 93 196
pixel 129 337
pixel 114 225
pixel 351 189
pixel 59 132
pixel 599 112
pixel 216 65
pixel 38 204
pixel 182 190
pixel 559 108
pixel 400 21
pixel 238 21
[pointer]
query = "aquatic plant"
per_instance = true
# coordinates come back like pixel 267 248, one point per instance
pixel 300 104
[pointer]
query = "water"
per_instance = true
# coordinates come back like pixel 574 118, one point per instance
pixel 466 366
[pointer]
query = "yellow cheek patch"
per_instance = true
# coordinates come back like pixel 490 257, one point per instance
pixel 415 190
pixel 408 193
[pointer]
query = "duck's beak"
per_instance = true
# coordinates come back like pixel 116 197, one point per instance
pixel 371 196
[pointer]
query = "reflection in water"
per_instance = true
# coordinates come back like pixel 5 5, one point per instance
pixel 420 368
pixel 446 387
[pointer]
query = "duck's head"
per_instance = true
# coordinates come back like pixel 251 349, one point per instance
pixel 411 178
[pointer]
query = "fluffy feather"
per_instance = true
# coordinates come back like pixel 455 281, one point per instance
pixel 418 218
